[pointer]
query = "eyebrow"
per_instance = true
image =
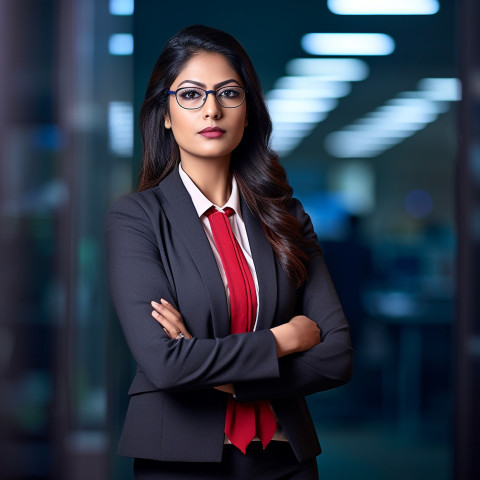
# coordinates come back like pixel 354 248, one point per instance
pixel 218 85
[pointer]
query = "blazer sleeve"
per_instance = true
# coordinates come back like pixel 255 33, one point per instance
pixel 328 364
pixel 136 277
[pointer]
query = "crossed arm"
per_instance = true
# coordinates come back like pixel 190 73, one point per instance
pixel 298 335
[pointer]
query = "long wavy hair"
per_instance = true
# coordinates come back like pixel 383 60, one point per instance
pixel 261 179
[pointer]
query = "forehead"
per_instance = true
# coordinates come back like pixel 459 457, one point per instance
pixel 207 68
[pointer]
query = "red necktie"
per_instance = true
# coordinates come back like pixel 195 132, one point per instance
pixel 244 420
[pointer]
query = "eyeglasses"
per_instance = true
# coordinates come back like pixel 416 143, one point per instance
pixel 192 98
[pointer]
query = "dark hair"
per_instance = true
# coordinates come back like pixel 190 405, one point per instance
pixel 261 179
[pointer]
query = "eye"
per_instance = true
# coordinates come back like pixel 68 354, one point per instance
pixel 229 92
pixel 190 93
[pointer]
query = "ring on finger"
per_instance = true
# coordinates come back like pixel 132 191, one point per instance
pixel 179 336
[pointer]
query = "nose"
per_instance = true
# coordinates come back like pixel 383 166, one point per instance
pixel 211 108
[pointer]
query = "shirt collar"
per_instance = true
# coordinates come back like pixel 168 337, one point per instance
pixel 202 203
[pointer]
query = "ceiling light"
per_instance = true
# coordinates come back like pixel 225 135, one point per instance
pixel 120 44
pixel 446 89
pixel 348 44
pixel 336 69
pixel 120 128
pixel 122 7
pixel 327 89
pixel 290 126
pixel 383 7
pixel 301 105
pixel 297 117
pixel 296 94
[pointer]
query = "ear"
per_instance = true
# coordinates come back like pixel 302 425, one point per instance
pixel 167 122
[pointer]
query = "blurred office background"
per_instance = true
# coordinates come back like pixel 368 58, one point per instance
pixel 380 137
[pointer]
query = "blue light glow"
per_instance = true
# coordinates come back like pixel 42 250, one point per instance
pixel 358 144
pixel 354 182
pixel 296 94
pixel 276 105
pixel 122 7
pixel 324 89
pixel 441 89
pixel 305 128
pixel 331 69
pixel 120 128
pixel 383 7
pixel 348 44
pixel 395 120
pixel 297 117
pixel 418 203
pixel 120 44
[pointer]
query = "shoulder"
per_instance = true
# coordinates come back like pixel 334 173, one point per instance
pixel 145 208
pixel 138 210
pixel 296 209
pixel 146 202
pixel 303 218
pixel 137 204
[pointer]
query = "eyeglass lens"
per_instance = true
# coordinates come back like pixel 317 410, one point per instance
pixel 192 97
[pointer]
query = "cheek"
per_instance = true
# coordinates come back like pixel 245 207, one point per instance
pixel 181 124
pixel 240 124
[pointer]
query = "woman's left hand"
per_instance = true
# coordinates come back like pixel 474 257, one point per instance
pixel 170 319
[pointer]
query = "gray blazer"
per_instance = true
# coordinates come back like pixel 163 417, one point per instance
pixel 157 248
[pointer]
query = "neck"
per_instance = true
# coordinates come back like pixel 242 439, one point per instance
pixel 211 177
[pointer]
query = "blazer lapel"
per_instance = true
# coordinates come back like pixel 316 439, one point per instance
pixel 264 259
pixel 183 217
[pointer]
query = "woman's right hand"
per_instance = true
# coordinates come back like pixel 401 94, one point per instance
pixel 298 335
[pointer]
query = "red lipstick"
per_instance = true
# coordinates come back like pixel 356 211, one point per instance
pixel 212 132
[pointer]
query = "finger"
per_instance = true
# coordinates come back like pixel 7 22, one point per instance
pixel 172 315
pixel 170 307
pixel 167 332
pixel 170 329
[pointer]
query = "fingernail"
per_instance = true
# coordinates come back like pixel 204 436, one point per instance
pixel 153 303
pixel 164 301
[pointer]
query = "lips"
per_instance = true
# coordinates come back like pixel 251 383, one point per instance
pixel 212 132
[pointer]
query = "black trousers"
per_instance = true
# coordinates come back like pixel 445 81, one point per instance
pixel 276 462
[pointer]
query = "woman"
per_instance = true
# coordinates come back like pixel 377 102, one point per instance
pixel 219 284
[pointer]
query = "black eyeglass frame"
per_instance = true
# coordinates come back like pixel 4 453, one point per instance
pixel 207 93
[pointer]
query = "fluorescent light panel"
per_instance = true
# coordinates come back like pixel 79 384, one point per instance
pixel 399 118
pixel 285 144
pixel 385 124
pixel 414 104
pixel 297 117
pixel 348 44
pixel 120 128
pixel 383 7
pixel 326 89
pixel 120 44
pixel 446 89
pixel 122 7
pixel 285 133
pixel 303 98
pixel 296 94
pixel 290 126
pixel 333 69
pixel 296 105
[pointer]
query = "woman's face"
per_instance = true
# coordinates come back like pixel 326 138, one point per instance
pixel 208 71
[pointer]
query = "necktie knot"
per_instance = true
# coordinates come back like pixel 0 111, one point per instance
pixel 226 211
